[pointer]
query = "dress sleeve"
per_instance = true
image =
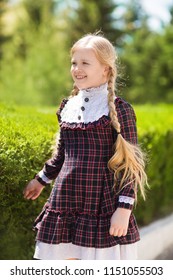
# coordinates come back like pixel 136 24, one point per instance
pixel 127 120
pixel 53 166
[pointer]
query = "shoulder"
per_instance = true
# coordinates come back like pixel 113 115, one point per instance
pixel 124 109
pixel 127 119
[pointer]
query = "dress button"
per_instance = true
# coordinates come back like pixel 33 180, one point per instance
pixel 79 117
pixel 83 108
pixel 86 99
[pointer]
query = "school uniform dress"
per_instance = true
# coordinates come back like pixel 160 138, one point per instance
pixel 75 221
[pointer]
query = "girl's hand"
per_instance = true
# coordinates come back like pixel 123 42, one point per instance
pixel 120 222
pixel 33 190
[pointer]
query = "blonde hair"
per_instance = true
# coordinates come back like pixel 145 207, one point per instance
pixel 127 162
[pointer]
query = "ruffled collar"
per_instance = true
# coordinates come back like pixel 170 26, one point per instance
pixel 94 91
pixel 87 107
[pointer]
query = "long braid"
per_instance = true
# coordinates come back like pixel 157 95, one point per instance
pixel 75 90
pixel 111 96
pixel 128 158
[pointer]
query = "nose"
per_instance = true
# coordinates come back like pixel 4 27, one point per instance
pixel 77 68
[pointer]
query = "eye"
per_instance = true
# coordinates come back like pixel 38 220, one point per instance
pixel 73 63
pixel 85 63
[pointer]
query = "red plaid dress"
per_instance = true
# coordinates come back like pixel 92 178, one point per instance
pixel 82 200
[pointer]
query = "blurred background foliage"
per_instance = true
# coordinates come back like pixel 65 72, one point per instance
pixel 35 38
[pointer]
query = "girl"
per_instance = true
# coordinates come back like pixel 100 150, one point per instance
pixel 97 166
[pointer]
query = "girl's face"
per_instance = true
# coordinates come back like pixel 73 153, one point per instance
pixel 86 70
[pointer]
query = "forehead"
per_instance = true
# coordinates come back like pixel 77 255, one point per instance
pixel 84 53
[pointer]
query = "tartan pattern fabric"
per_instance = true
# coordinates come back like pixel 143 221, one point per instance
pixel 82 200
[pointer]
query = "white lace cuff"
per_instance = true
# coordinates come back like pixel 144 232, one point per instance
pixel 126 199
pixel 44 178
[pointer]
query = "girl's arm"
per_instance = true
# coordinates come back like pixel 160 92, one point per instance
pixel 126 197
pixel 127 120
pixel 53 166
pixel 50 169
pixel 49 172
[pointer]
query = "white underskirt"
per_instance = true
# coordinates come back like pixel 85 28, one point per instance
pixel 65 251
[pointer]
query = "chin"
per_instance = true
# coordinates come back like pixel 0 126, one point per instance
pixel 81 86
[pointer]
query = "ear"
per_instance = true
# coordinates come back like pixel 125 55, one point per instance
pixel 106 70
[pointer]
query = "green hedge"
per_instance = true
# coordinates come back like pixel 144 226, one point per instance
pixel 25 143
pixel 155 128
pixel 25 139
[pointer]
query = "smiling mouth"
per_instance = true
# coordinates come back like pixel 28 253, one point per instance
pixel 80 77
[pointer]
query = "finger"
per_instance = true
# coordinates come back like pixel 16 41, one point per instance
pixel 30 195
pixel 27 195
pixel 27 191
pixel 35 196
pixel 120 233
pixel 124 232
pixel 115 232
pixel 111 230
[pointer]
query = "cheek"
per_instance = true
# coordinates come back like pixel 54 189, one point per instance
pixel 72 71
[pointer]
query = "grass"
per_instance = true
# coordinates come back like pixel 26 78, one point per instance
pixel 154 118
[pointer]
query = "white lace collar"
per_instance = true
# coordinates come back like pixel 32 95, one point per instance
pixel 88 106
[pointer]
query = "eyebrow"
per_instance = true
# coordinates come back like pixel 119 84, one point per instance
pixel 83 60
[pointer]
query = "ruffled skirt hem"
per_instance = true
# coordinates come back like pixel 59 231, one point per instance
pixel 64 251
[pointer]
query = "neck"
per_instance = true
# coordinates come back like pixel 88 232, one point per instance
pixel 95 90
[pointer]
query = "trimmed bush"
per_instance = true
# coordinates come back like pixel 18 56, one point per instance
pixel 26 135
pixel 25 143
pixel 155 126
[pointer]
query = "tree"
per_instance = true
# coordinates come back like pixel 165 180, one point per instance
pixel 39 11
pixel 171 14
pixel 35 66
pixel 162 72
pixel 148 58
pixel 89 16
pixel 3 37
pixel 136 60
pixel 134 17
